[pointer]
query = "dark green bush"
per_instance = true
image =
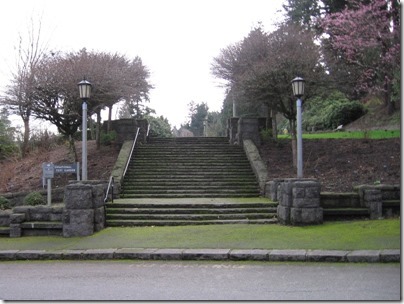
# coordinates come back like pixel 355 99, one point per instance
pixel 329 113
pixel 266 134
pixel 4 203
pixel 34 198
pixel 108 138
pixel 344 113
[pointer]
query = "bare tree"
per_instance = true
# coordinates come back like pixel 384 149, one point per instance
pixel 56 95
pixel 264 65
pixel 19 98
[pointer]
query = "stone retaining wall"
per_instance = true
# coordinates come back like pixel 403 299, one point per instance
pixel 17 198
pixel 366 196
pixel 126 129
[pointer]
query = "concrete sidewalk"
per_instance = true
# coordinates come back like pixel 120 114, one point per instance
pixel 355 256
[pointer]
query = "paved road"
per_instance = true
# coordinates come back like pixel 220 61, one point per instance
pixel 158 280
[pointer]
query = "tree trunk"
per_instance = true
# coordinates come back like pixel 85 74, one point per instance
pixel 92 128
pixel 387 97
pixel 25 143
pixel 109 119
pixel 72 148
pixel 268 124
pixel 274 125
pixel 97 130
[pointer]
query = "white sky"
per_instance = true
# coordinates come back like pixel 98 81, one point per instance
pixel 176 39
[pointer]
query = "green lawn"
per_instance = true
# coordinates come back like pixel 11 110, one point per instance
pixel 354 235
pixel 373 134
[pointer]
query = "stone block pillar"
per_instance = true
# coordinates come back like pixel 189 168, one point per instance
pixel 299 202
pixel 248 129
pixel 84 208
pixel 232 125
pixel 372 198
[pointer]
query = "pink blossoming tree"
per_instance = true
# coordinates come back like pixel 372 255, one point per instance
pixel 367 36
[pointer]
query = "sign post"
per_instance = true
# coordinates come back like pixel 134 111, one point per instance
pixel 48 172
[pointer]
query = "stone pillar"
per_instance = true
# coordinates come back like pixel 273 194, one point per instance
pixel 371 197
pixel 299 202
pixel 373 200
pixel 248 129
pixel 271 189
pixel 84 208
pixel 232 125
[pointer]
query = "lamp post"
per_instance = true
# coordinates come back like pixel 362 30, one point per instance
pixel 298 91
pixel 85 91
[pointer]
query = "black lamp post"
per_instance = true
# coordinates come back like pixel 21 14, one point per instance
pixel 85 92
pixel 298 91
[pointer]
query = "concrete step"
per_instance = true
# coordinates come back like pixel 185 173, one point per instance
pixel 4 231
pixel 190 217
pixel 129 223
pixel 40 228
pixel 192 210
pixel 188 195
pixel 337 213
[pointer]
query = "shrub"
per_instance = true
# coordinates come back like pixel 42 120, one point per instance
pixel 4 203
pixel 34 198
pixel 344 113
pixel 331 112
pixel 107 138
pixel 266 134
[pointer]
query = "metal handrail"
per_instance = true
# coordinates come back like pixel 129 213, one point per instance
pixel 110 186
pixel 131 152
pixel 147 132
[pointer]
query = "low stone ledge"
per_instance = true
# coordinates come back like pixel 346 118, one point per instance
pixel 326 256
pixel 98 254
pixel 206 254
pixel 249 254
pixel 72 254
pixel 53 255
pixel 364 256
pixel 287 255
pixel 135 253
pixel 30 255
pixel 167 254
pixel 8 255
pixel 128 253
pixel 390 255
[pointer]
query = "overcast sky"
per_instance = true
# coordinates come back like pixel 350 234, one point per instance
pixel 176 39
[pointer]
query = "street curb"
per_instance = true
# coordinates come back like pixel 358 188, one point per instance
pixel 354 256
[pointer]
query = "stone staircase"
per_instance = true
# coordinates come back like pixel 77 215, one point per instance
pixel 189 181
pixel 188 211
pixel 189 167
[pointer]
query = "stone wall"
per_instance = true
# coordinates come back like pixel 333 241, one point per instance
pixel 371 197
pixel 47 219
pixel 248 128
pixel 126 129
pixel 17 198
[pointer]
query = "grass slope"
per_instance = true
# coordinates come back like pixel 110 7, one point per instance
pixel 372 134
pixel 355 235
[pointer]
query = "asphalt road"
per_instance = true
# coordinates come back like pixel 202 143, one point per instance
pixel 159 280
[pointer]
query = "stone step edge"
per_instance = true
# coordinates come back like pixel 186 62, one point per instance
pixel 268 255
pixel 117 223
